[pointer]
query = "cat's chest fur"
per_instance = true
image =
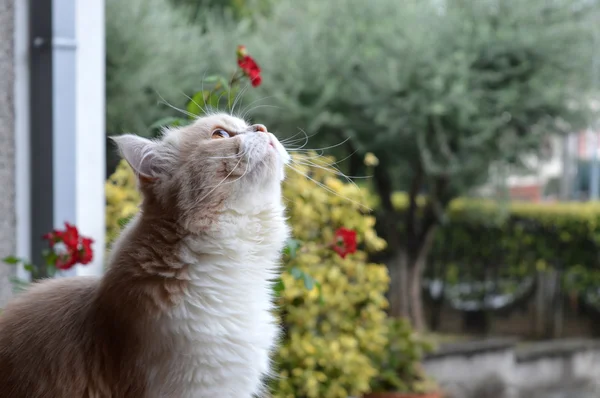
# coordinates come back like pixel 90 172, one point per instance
pixel 221 331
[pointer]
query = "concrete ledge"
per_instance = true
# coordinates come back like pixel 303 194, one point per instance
pixel 556 348
pixel 473 348
pixel 527 368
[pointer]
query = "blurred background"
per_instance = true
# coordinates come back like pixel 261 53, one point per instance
pixel 444 189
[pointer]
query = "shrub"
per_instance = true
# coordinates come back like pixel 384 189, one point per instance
pixel 330 339
pixel 483 238
pixel 401 363
pixel 122 200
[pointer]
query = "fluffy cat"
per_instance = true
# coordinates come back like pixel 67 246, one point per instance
pixel 184 309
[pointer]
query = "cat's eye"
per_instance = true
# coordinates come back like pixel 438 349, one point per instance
pixel 220 133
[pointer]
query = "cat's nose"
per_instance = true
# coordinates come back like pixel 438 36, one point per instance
pixel 258 127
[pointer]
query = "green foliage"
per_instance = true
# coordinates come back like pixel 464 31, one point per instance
pixel 448 89
pixel 516 240
pixel 239 8
pixel 156 56
pixel 401 369
pixel 11 260
pixel 334 330
pixel 122 200
pixel 153 55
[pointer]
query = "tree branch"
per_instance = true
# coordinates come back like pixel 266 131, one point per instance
pixel 383 184
pixel 415 188
pixel 431 216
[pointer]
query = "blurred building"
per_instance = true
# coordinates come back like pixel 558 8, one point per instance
pixel 544 170
pixel 51 125
pixel 562 171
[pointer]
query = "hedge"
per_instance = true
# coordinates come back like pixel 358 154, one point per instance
pixel 486 240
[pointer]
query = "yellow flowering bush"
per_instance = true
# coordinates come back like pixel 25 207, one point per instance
pixel 333 331
pixel 122 199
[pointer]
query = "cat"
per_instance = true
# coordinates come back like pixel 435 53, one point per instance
pixel 185 307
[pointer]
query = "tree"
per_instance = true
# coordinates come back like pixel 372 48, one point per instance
pixel 438 91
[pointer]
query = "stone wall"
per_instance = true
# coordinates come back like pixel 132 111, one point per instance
pixel 500 368
pixel 7 147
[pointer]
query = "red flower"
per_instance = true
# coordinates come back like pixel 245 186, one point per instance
pixel 71 236
pixel 66 261
pixel 86 254
pixel 53 237
pixel 241 51
pixel 344 242
pixel 249 66
pixel 76 249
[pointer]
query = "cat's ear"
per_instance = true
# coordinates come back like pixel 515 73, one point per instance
pixel 141 154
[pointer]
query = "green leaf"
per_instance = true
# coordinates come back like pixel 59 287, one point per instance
pixel 212 79
pixel 124 221
pixel 279 287
pixel 198 102
pixel 51 258
pixel 296 273
pixel 291 247
pixel 309 282
pixel 215 98
pixel 232 98
pixel 12 260
pixel 19 285
pixel 167 121
pixel 221 84
pixel 320 290
pixel 28 267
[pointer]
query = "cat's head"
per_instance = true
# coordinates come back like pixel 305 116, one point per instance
pixel 217 163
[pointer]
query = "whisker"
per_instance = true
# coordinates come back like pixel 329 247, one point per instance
pixel 325 187
pixel 262 106
pixel 195 103
pixel 219 101
pixel 185 112
pixel 333 163
pixel 290 140
pixel 305 138
pixel 202 90
pixel 316 155
pixel 245 111
pixel 222 181
pixel 225 157
pixel 238 96
pixel 319 149
pixel 229 90
pixel 329 170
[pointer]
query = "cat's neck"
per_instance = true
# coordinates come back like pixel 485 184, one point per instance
pixel 152 246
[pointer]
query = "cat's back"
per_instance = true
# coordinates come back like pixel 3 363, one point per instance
pixel 42 339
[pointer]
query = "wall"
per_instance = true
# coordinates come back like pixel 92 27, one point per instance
pixel 7 145
pixel 499 368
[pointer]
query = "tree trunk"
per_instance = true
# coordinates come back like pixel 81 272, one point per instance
pixel 416 268
pixel 413 245
pixel 398 293
pixel 389 221
pixel 416 300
